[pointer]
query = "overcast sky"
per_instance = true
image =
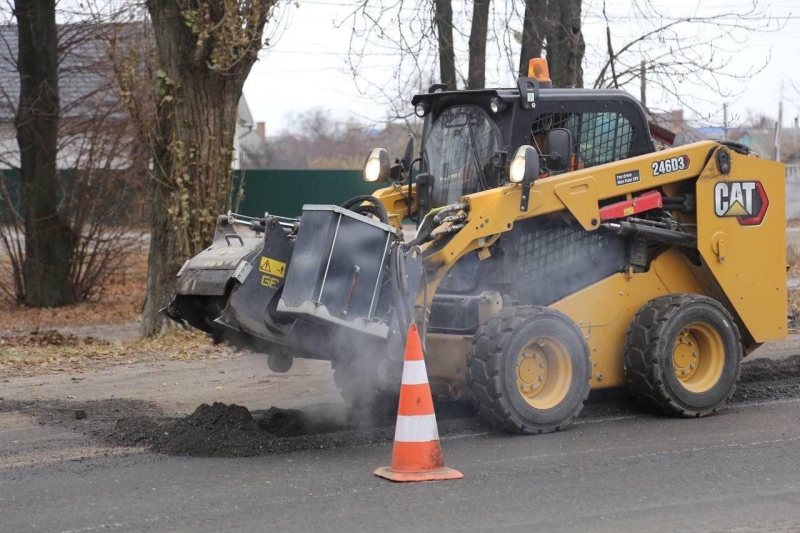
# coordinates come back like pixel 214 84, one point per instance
pixel 306 65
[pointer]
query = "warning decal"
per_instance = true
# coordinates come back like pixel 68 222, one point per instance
pixel 272 266
pixel 625 178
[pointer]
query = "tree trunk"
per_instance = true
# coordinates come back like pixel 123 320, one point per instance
pixel 164 259
pixel 49 241
pixel 197 117
pixel 565 44
pixel 444 29
pixel 534 29
pixel 476 78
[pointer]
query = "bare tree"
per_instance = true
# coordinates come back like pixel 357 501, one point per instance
pixel 95 188
pixel 194 64
pixel 49 240
pixel 685 64
pixel 476 77
pixel 534 31
pixel 319 141
pixel 420 38
pixel 682 55
pixel 565 44
pixel 443 16
pixel 423 34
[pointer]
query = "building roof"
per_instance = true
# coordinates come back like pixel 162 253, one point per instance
pixel 674 122
pixel 85 78
pixel 762 142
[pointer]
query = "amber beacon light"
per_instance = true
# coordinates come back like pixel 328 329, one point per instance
pixel 537 68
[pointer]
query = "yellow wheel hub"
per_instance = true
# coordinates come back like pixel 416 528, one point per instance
pixel 698 357
pixel 544 372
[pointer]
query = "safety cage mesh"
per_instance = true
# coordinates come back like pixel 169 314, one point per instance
pixel 599 137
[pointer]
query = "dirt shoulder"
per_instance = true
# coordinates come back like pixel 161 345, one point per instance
pixel 179 381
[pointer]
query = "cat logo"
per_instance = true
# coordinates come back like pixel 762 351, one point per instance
pixel 745 200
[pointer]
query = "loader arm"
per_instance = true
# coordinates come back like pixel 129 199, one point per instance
pixel 398 203
pixel 580 192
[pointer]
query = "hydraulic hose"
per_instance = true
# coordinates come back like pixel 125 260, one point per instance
pixel 441 215
pixel 374 207
pixel 425 228
pixel 433 218
pixel 666 236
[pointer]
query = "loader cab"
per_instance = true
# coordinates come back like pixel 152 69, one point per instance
pixel 469 137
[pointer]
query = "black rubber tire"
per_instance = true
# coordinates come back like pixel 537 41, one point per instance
pixel 491 369
pixel 648 348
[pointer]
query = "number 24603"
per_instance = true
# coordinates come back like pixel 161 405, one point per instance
pixel 673 164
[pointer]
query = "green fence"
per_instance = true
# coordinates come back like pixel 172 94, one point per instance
pixel 283 192
pixel 279 192
pixel 116 193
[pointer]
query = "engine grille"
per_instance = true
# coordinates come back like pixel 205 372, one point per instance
pixel 556 259
pixel 550 248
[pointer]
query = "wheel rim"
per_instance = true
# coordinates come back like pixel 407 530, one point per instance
pixel 544 372
pixel 698 357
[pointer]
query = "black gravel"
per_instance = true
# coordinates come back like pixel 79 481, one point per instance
pixel 768 380
pixel 221 430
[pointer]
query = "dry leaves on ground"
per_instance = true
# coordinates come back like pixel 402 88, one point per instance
pixel 120 301
pixel 51 352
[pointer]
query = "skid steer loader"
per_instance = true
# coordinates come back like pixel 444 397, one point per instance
pixel 558 248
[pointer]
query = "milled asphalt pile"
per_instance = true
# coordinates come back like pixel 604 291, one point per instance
pixel 221 430
pixel 768 379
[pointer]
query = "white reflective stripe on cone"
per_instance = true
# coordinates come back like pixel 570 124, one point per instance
pixel 419 428
pixel 414 373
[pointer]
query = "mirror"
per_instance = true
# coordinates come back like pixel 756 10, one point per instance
pixel 424 191
pixel 559 150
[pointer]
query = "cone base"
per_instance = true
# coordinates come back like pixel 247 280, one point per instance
pixel 440 474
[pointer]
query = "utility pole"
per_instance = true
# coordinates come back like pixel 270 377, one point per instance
pixel 725 120
pixel 643 77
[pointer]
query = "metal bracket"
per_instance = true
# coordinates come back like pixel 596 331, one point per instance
pixel 243 270
pixel 723 161
pixel 528 92
pixel 525 198
pixel 229 236
pixel 719 246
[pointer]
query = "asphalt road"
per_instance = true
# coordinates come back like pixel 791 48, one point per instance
pixel 738 471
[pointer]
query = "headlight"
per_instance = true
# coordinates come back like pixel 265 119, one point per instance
pixel 372 170
pixel 517 171
pixel 497 105
pixel 525 165
pixel 376 167
pixel 422 109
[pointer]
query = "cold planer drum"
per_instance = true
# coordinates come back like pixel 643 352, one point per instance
pixel 333 285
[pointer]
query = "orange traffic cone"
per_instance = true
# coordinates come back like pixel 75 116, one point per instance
pixel 417 455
